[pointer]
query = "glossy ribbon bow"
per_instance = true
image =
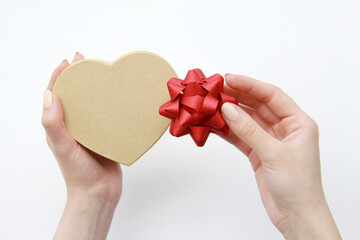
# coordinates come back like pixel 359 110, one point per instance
pixel 195 106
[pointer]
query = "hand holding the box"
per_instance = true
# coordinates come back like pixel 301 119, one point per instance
pixel 94 183
pixel 281 142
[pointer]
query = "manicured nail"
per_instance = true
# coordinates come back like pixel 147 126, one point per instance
pixel 230 112
pixel 63 61
pixel 48 99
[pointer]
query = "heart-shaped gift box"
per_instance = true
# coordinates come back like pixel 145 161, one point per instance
pixel 113 108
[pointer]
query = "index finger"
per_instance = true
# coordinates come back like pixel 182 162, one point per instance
pixel 278 101
pixel 64 64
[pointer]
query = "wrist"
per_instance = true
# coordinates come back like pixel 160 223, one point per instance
pixel 100 195
pixel 314 222
pixel 83 216
pixel 81 202
pixel 94 205
pixel 80 218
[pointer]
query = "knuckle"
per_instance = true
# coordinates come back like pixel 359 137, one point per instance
pixel 312 127
pixel 48 121
pixel 272 154
pixel 65 151
pixel 276 89
pixel 61 152
pixel 247 129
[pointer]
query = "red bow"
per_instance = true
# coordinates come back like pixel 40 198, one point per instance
pixel 195 106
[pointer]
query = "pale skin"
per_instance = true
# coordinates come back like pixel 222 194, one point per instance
pixel 280 140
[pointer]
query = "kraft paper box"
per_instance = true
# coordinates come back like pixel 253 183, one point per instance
pixel 113 108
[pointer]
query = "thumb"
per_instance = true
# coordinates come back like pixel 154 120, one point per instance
pixel 53 122
pixel 247 129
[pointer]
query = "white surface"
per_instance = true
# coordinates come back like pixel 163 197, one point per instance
pixel 178 191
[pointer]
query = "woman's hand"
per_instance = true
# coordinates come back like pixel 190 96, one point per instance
pixel 281 142
pixel 94 183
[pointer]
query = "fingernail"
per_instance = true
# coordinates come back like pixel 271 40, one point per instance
pixel 63 61
pixel 48 98
pixel 230 112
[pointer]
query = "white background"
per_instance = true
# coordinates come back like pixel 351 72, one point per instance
pixel 311 49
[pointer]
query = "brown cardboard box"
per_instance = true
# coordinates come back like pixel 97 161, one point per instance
pixel 113 108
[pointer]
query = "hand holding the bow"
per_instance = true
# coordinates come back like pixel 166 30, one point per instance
pixel 281 142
